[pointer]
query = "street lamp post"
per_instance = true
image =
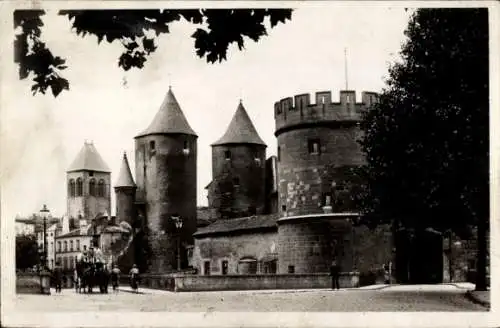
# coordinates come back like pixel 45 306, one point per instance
pixel 44 275
pixel 44 212
pixel 178 224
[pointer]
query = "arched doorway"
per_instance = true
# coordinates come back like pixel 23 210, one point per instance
pixel 247 265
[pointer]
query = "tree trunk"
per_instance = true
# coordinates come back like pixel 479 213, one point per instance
pixel 481 255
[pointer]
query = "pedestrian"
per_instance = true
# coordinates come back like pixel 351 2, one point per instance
pixel 335 273
pixel 134 277
pixel 115 278
pixel 57 274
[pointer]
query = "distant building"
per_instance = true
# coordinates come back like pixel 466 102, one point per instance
pixel 24 226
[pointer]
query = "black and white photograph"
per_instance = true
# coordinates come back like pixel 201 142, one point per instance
pixel 237 164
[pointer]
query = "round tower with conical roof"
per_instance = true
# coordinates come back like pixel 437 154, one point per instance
pixel 165 157
pixel 125 194
pixel 238 169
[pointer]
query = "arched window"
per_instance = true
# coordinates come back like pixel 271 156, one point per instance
pixel 79 187
pixel 101 188
pixel 71 188
pixel 92 187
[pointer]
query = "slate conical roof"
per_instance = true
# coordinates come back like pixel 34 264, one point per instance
pixel 88 159
pixel 169 119
pixel 240 130
pixel 125 178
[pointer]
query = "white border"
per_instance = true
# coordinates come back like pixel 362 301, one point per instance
pixel 13 317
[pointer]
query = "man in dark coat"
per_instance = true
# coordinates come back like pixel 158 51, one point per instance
pixel 57 274
pixel 335 274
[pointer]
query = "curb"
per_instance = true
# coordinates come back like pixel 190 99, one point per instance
pixel 131 292
pixel 476 300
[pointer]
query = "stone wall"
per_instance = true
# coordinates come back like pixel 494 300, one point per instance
pixel 305 178
pixel 233 248
pixel 241 176
pixel 195 283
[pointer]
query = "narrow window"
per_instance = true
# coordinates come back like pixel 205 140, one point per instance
pixel 314 146
pixel 327 199
pixel 84 247
pixel 291 269
pixel 92 187
pixel 283 208
pixel 348 99
pixel 58 246
pixel 79 187
pixel 225 266
pixel 71 245
pixel 71 187
pixel 101 188
pixel 236 182
pixel 186 144
pixel 152 145
pixel 65 246
pixel 77 244
pixel 279 153
pixel 227 155
pixel 323 100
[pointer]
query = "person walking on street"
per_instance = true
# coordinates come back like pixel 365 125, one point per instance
pixel 134 277
pixel 115 278
pixel 335 273
pixel 58 277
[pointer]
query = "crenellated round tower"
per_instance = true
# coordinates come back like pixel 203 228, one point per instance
pixel 318 153
pixel 317 145
pixel 166 154
pixel 238 169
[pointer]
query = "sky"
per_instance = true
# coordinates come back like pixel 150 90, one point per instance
pixel 41 135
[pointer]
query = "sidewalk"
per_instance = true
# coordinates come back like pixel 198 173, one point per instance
pixel 479 297
pixel 440 287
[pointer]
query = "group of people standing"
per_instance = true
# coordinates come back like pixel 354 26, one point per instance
pixel 91 258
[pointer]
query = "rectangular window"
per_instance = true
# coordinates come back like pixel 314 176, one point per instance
pixel 314 146
pixel 348 99
pixel 65 246
pixel 186 146
pixel 152 145
pixel 327 199
pixel 283 208
pixel 206 268
pixel 77 244
pixel 91 173
pixel 225 266
pixel 236 182
pixel 227 155
pixel 291 269
pixel 71 245
pixel 58 246
pixel 279 153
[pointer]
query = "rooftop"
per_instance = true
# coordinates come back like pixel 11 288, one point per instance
pixel 125 178
pixel 240 130
pixel 169 119
pixel 240 224
pixel 89 159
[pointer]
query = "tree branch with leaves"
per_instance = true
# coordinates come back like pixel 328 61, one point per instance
pixel 137 30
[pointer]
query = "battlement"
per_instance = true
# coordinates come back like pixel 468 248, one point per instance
pixel 298 110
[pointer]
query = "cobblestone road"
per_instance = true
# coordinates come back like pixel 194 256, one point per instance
pixel 389 299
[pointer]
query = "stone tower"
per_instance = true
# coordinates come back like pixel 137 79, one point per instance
pixel 318 154
pixel 317 148
pixel 88 180
pixel 238 169
pixel 165 157
pixel 125 189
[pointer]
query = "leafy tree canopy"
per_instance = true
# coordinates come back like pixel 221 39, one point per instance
pixel 218 28
pixel 27 255
pixel 427 140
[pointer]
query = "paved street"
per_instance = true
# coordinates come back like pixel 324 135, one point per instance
pixel 396 298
